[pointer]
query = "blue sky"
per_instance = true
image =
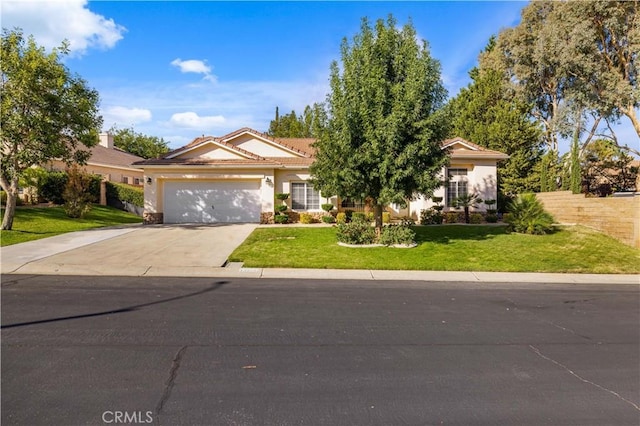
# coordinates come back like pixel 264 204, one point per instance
pixel 179 70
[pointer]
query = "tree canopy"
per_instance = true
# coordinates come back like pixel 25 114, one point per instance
pixel 139 144
pixel 385 124
pixel 572 60
pixel 488 113
pixel 290 125
pixel 47 112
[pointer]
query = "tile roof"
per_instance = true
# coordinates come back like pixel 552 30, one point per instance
pixel 302 146
pixel 476 150
pixel 112 157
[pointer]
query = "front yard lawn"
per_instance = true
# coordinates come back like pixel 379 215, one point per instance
pixel 33 223
pixel 444 248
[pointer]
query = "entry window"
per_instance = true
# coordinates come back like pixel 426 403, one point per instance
pixel 125 179
pixel 457 185
pixel 304 197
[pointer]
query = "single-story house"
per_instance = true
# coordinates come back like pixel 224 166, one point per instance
pixel 235 177
pixel 108 161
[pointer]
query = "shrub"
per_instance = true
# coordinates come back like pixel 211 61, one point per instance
pixel 120 192
pixel 386 217
pixel 281 208
pixel 527 216
pixel 451 217
pixel 407 221
pixel 370 217
pixel 491 218
pixel 306 218
pixel 52 187
pixel 397 234
pixel 430 217
pixel 281 218
pixel 476 218
pixel 341 217
pixel 358 217
pixel 348 214
pixel 77 198
pixel 327 207
pixel 356 233
pixel 282 196
pixel 437 200
pixel 329 219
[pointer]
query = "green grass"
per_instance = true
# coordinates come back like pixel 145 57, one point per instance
pixel 444 248
pixel 42 222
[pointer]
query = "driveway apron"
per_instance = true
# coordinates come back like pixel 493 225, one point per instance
pixel 169 250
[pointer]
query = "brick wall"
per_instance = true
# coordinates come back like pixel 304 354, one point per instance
pixel 618 217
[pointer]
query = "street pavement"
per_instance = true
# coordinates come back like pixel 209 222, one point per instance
pixel 230 351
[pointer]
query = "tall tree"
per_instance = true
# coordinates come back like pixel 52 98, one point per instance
pixel 293 126
pixel 139 144
pixel 385 123
pixel 575 59
pixel 488 113
pixel 46 112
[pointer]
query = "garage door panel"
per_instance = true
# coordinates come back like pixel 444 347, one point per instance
pixel 212 202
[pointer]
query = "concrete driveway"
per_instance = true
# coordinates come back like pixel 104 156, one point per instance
pixel 158 250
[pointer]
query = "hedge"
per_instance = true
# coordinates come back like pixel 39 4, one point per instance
pixel 125 193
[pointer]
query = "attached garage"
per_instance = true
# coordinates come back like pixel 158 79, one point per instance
pixel 201 201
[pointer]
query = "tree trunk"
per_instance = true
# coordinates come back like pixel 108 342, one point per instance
pixel 631 114
pixel 466 214
pixel 377 213
pixel 10 208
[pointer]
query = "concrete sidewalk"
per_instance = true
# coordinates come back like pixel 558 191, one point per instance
pixel 177 251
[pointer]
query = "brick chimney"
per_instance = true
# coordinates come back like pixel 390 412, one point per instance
pixel 106 140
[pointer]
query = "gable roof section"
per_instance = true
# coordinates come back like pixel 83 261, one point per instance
pixel 298 146
pixel 199 142
pixel 470 150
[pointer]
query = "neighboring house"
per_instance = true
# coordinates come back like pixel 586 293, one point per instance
pixel 234 178
pixel 108 161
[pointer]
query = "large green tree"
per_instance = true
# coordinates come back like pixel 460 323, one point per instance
pixel 139 144
pixel 293 126
pixel 385 121
pixel 47 112
pixel 488 113
pixel 574 60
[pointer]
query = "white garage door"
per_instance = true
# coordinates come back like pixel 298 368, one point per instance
pixel 211 201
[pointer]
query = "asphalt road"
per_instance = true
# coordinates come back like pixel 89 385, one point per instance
pixel 115 350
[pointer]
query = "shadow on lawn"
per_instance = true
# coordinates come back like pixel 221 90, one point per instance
pixel 444 234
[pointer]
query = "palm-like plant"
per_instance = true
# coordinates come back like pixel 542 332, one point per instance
pixel 527 216
pixel 465 202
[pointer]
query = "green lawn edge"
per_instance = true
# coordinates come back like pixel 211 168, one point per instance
pixel 34 223
pixel 478 248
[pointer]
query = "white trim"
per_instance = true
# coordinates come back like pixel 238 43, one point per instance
pixel 214 142
pixel 270 142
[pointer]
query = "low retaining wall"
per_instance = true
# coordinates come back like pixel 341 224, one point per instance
pixel 617 216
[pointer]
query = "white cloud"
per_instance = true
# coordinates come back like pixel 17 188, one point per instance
pixel 192 120
pixel 51 22
pixel 194 66
pixel 123 116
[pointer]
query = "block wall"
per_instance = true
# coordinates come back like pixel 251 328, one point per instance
pixel 617 216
